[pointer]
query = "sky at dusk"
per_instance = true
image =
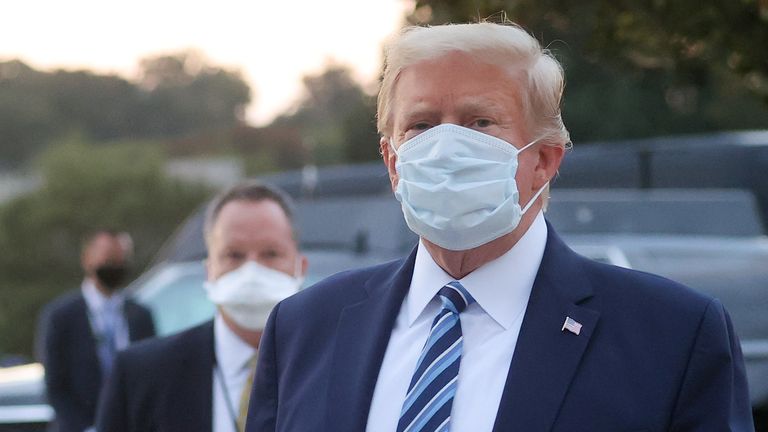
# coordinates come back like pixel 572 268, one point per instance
pixel 273 43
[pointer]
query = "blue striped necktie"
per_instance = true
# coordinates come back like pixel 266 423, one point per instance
pixel 428 403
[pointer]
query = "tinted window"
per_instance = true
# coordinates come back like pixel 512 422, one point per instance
pixel 679 212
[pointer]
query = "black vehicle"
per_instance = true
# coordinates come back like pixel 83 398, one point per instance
pixel 725 160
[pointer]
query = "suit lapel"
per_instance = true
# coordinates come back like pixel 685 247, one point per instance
pixel 547 358
pixel 194 394
pixel 362 338
pixel 131 321
pixel 137 327
pixel 82 322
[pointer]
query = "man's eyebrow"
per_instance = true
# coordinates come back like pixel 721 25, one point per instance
pixel 482 106
pixel 416 111
pixel 476 106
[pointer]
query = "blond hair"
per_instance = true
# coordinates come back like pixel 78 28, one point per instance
pixel 505 45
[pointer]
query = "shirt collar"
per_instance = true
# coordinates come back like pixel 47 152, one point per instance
pixel 232 353
pixel 503 301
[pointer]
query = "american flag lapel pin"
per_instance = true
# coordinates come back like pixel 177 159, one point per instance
pixel 571 325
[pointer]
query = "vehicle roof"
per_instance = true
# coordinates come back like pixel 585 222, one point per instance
pixel 374 223
pixel 748 138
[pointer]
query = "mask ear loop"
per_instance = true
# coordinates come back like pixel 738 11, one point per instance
pixel 297 272
pixel 297 267
pixel 533 200
pixel 537 194
pixel 520 150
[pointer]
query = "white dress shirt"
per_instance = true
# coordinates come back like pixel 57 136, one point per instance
pixel 232 358
pixel 490 328
pixel 102 309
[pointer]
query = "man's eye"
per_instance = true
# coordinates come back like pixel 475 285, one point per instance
pixel 270 254
pixel 415 129
pixel 234 255
pixel 482 123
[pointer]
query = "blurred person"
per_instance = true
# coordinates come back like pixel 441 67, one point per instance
pixel 492 322
pixel 80 332
pixel 200 379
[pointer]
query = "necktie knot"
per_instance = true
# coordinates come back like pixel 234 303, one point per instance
pixel 455 297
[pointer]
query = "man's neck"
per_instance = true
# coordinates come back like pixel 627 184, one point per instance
pixel 458 264
pixel 104 292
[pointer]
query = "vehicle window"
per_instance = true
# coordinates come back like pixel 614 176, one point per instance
pixel 174 294
pixel 677 212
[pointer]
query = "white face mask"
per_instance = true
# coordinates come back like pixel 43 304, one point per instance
pixel 248 293
pixel 457 186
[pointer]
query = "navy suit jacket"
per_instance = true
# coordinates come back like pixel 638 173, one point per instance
pixel 162 384
pixel 652 355
pixel 67 348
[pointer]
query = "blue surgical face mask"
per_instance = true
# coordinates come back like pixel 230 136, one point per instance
pixel 457 186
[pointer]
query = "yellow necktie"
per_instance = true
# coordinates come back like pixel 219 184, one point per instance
pixel 245 396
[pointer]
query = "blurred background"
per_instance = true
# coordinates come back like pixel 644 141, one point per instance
pixel 132 115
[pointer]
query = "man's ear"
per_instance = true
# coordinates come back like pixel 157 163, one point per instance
pixel 304 265
pixel 207 264
pixel 390 159
pixel 550 157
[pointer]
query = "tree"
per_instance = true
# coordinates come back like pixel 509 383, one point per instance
pixel 184 93
pixel 28 118
pixel 268 149
pixel 336 118
pixel 177 95
pixel 643 68
pixel 119 186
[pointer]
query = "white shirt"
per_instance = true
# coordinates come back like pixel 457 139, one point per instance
pixel 102 308
pixel 490 328
pixel 232 357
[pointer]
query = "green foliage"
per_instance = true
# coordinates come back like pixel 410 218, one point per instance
pixel 120 186
pixel 643 68
pixel 178 95
pixel 336 119
pixel 27 118
pixel 269 148
pixel 184 94
pixel 333 123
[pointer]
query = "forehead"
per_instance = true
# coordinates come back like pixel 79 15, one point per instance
pixel 456 80
pixel 103 246
pixel 102 242
pixel 251 222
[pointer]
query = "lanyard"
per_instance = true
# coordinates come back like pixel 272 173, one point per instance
pixel 227 400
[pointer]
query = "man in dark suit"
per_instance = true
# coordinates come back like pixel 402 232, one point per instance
pixel 81 331
pixel 492 322
pixel 200 379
